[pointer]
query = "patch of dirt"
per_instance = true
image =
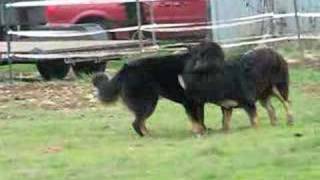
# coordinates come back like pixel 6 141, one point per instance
pixel 309 62
pixel 312 90
pixel 53 149
pixel 48 95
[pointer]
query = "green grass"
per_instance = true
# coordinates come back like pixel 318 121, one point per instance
pixel 25 68
pixel 99 143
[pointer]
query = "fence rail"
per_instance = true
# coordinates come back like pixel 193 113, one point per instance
pixel 175 27
pixel 183 27
pixel 66 3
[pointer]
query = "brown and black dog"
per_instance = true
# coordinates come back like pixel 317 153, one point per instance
pixel 140 83
pixel 257 75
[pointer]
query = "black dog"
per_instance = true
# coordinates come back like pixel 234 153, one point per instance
pixel 258 75
pixel 141 82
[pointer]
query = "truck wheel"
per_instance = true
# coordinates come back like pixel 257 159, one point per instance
pixel 88 68
pixel 97 24
pixel 53 69
pixel 105 24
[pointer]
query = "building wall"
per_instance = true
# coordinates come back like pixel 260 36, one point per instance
pixel 230 9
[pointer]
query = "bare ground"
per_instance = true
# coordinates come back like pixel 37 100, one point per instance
pixel 309 61
pixel 312 90
pixel 48 95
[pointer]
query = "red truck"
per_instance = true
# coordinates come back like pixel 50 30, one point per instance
pixel 112 15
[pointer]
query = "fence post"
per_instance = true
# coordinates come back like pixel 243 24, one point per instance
pixel 214 18
pixel 271 9
pixel 298 28
pixel 8 40
pixel 139 24
pixel 153 33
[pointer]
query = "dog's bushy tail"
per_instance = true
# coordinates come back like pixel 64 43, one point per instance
pixel 108 89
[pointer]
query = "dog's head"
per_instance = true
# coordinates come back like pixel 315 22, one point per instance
pixel 204 64
pixel 205 57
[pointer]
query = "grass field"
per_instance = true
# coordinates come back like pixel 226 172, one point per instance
pixel 98 142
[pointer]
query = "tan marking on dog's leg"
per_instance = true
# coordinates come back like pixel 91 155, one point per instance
pixel 197 128
pixel 286 106
pixel 289 113
pixel 144 129
pixel 226 119
pixel 253 116
pixel 255 121
pixel 270 110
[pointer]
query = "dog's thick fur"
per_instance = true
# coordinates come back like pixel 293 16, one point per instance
pixel 141 82
pixel 258 75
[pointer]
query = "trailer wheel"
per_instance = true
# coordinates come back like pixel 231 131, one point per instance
pixel 53 69
pixel 88 68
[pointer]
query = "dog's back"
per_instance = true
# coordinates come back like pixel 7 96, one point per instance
pixel 157 73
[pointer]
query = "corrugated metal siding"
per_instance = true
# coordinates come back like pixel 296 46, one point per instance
pixel 230 9
pixel 310 24
pixel 288 25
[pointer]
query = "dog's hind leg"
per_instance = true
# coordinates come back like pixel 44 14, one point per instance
pixel 266 103
pixel 226 118
pixel 195 112
pixel 142 107
pixel 139 124
pixel 285 103
pixel 252 112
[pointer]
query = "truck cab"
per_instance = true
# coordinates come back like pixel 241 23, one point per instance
pixel 112 15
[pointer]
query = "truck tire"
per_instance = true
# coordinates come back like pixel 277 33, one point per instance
pixel 87 68
pixel 53 69
pixel 105 24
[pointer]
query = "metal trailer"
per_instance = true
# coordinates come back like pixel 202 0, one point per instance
pixel 54 58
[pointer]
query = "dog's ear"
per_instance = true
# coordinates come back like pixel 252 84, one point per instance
pixel 211 56
pixel 205 57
